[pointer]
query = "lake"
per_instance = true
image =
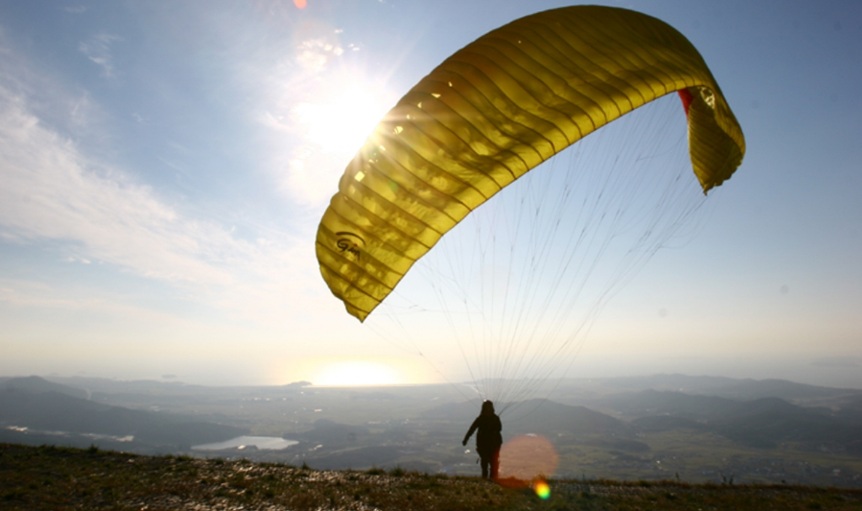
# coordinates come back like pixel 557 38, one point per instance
pixel 269 443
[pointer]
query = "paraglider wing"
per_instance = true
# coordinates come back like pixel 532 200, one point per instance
pixel 491 112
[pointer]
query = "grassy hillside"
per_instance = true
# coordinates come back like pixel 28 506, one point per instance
pixel 50 478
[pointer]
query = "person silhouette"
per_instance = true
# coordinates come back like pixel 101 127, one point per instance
pixel 489 439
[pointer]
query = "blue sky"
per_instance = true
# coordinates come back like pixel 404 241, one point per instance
pixel 164 165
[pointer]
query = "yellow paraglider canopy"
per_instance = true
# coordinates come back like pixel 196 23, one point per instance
pixel 495 110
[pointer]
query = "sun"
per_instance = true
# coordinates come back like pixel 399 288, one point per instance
pixel 342 118
pixel 328 125
pixel 356 373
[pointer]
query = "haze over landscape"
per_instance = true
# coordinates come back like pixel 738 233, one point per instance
pixel 664 427
pixel 164 167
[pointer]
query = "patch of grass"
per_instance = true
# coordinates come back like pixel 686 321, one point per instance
pixel 397 472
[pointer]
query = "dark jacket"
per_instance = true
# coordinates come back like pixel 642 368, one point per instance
pixel 489 436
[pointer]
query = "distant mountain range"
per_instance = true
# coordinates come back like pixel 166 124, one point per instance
pixel 36 411
pixel 761 423
pixel 610 426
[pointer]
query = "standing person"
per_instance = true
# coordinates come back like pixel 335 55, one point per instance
pixel 488 439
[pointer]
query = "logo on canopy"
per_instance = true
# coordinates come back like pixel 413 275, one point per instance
pixel 349 243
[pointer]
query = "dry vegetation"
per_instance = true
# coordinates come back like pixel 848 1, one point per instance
pixel 36 478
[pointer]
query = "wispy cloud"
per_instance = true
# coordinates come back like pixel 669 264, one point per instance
pixel 53 191
pixel 61 189
pixel 75 9
pixel 314 54
pixel 98 49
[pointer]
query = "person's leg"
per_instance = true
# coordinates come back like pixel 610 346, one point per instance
pixel 484 462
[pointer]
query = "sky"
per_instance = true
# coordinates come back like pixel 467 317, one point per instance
pixel 164 167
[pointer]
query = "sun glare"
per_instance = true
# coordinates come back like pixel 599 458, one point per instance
pixel 355 373
pixel 331 123
pixel 342 121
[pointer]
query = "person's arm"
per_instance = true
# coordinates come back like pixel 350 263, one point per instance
pixel 470 431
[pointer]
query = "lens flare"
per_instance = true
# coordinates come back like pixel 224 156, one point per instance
pixel 527 458
pixel 542 489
